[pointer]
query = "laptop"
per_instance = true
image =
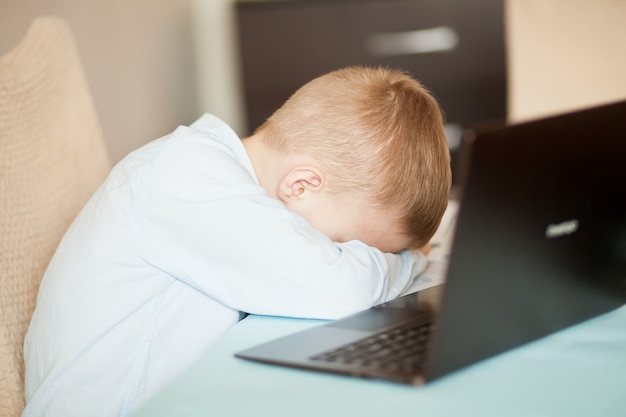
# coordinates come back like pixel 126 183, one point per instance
pixel 539 245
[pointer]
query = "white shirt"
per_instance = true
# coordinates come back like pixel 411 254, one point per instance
pixel 177 242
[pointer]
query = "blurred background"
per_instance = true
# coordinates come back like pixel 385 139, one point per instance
pixel 155 64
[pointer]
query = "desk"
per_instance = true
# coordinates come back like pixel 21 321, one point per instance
pixel 580 371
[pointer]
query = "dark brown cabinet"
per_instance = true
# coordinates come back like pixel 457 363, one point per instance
pixel 455 47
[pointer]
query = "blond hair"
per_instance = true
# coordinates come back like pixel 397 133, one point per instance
pixel 379 136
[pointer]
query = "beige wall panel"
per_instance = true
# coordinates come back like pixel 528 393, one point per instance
pixel 564 55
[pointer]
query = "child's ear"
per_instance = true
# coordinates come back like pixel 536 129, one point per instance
pixel 300 181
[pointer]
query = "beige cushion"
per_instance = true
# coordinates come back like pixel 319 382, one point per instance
pixel 52 158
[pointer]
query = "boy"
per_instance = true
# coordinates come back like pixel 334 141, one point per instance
pixel 311 216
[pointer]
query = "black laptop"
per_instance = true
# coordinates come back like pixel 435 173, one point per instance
pixel 539 245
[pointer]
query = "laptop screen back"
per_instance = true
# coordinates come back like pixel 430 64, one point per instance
pixel 540 242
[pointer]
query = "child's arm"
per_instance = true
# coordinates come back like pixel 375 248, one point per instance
pixel 237 245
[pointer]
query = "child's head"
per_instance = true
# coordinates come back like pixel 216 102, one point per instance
pixel 376 137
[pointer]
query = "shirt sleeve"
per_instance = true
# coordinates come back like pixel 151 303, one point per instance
pixel 202 219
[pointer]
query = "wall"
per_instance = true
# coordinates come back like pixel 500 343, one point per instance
pixel 564 55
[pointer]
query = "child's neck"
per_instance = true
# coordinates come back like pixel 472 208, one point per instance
pixel 266 163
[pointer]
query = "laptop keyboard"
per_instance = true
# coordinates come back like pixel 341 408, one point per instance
pixel 400 350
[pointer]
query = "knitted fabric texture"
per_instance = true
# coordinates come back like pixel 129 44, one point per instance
pixel 52 158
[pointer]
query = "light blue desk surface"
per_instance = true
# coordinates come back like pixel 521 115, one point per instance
pixel 580 371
